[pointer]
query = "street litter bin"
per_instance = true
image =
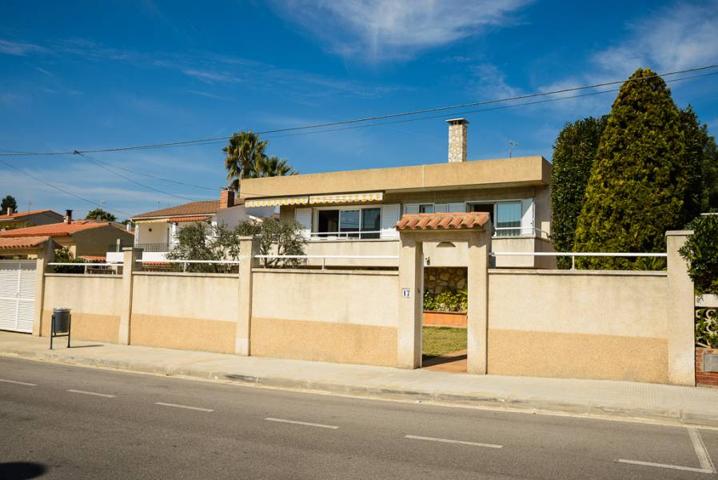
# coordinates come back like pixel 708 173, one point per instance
pixel 61 324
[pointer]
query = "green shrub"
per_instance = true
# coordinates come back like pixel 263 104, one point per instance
pixel 701 253
pixel 446 301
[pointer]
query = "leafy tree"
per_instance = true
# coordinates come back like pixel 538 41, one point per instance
pixel 8 202
pixel 201 241
pixel 245 157
pixel 276 238
pixel 573 155
pixel 637 186
pixel 701 253
pixel 100 215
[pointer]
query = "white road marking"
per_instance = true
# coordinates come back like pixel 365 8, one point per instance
pixel 459 442
pixel 699 447
pixel 94 394
pixel 15 382
pixel 297 422
pixel 187 407
pixel 701 451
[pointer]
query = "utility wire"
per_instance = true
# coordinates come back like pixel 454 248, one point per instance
pixel 130 179
pixel 360 120
pixel 62 190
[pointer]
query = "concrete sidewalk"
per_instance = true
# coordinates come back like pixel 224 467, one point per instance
pixel 664 403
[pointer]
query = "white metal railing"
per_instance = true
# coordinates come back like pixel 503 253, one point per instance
pixel 356 235
pixel 85 265
pixel 532 232
pixel 324 258
pixel 573 255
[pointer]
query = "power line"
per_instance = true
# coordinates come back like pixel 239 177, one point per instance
pixel 374 118
pixel 130 179
pixel 60 189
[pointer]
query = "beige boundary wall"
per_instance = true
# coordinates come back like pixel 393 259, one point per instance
pixel 634 326
pixel 347 316
pixel 583 324
pixel 95 301
pixel 185 310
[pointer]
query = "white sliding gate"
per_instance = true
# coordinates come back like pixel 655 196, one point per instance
pixel 17 294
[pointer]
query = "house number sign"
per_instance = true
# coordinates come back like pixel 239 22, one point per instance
pixel 406 292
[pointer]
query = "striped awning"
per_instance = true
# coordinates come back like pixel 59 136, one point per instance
pixel 346 198
pixel 276 201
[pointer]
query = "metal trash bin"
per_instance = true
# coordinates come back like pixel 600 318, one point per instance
pixel 61 324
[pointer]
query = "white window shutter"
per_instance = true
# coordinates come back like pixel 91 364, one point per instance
pixel 390 214
pixel 527 216
pixel 303 216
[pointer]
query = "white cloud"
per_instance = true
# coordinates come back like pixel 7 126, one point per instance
pixel 19 49
pixel 677 37
pixel 377 30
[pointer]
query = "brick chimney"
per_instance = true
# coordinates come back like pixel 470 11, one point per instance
pixel 457 139
pixel 226 198
pixel 68 216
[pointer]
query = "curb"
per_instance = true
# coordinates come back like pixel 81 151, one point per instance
pixel 487 401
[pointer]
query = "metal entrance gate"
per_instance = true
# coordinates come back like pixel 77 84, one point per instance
pixel 17 294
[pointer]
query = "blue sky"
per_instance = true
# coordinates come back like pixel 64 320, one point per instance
pixel 87 74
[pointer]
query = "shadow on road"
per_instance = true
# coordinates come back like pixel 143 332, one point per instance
pixel 21 470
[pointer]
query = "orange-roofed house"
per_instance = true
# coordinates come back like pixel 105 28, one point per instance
pixel 156 231
pixel 83 238
pixel 10 220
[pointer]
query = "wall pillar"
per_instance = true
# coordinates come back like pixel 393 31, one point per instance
pixel 44 256
pixel 411 284
pixel 248 248
pixel 680 329
pixel 477 319
pixel 129 265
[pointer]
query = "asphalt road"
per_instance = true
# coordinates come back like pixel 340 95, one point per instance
pixel 80 423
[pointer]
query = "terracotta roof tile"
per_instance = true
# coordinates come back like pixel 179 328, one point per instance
pixel 442 221
pixel 193 218
pixel 22 242
pixel 193 208
pixel 61 229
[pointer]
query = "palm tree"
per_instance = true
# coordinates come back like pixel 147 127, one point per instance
pixel 245 158
pixel 274 167
pixel 243 154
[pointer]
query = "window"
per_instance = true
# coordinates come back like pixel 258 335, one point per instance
pixel 426 208
pixel 484 208
pixel 508 215
pixel 328 221
pixel 349 223
pixel 371 222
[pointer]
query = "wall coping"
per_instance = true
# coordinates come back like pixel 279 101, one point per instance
pixel 707 300
pixel 82 275
pixel 392 273
pixel 607 273
pixel 678 233
pixel 187 274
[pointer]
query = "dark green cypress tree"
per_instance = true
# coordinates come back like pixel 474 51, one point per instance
pixel 638 184
pixel 701 162
pixel 573 155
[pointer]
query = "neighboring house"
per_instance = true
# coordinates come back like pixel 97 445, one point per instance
pixel 11 220
pixel 156 231
pixel 355 212
pixel 83 238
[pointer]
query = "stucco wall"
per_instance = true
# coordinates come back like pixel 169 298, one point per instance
pixel 339 316
pixel 95 300
pixel 604 325
pixel 185 310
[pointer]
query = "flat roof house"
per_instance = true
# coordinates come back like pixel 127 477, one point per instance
pixel 355 212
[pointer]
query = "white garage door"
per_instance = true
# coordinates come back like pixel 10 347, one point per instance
pixel 17 294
